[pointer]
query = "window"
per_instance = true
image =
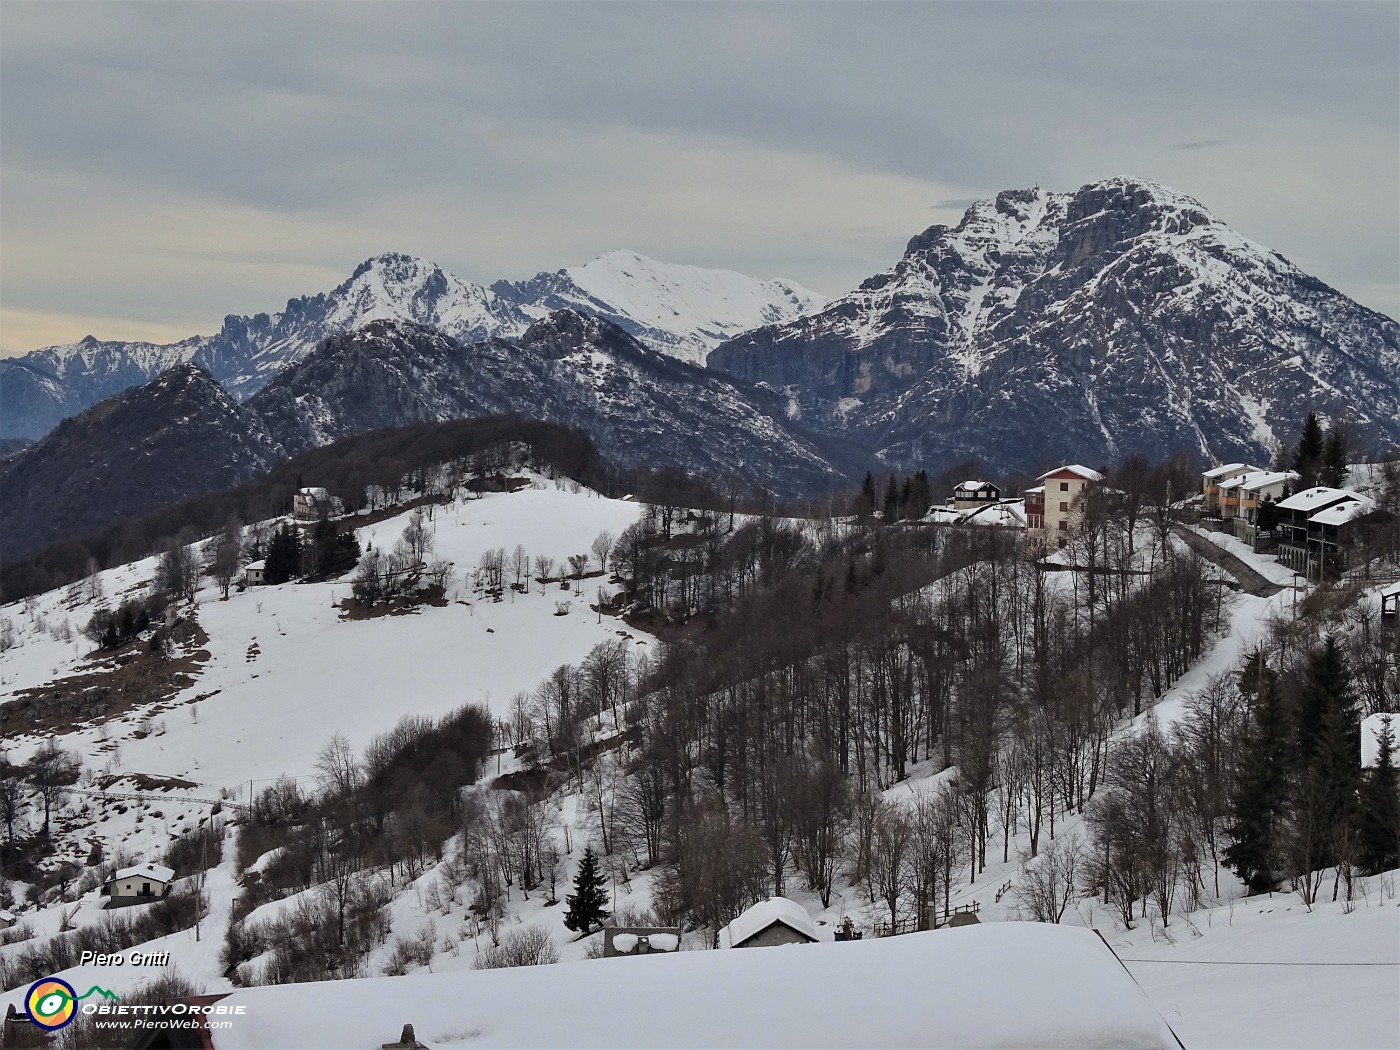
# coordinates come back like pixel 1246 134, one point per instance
pixel 1064 526
pixel 1064 486
pixel 1064 507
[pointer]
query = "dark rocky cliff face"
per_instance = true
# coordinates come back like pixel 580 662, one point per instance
pixel 1119 318
pixel 177 436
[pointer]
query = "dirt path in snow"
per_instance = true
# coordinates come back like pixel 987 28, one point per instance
pixel 1250 581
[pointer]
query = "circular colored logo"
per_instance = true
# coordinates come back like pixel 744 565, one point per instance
pixel 51 1003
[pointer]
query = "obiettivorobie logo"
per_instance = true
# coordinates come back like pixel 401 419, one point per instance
pixel 53 1002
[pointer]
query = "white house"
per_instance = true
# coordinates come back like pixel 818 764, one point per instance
pixel 253 573
pixel 1053 508
pixel 314 502
pixel 7 919
pixel 774 921
pixel 141 882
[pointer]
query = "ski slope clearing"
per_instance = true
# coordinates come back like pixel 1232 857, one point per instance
pixel 1005 985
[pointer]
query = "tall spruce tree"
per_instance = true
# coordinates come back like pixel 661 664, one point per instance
pixel 1334 458
pixel 892 500
pixel 1378 808
pixel 1308 459
pixel 1261 794
pixel 1326 684
pixel 865 504
pixel 587 905
pixel 283 555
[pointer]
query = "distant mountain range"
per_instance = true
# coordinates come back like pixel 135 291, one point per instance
pixel 1044 327
pixel 182 434
pixel 683 311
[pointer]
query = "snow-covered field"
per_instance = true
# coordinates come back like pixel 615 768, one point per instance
pixel 1269 973
pixel 289 671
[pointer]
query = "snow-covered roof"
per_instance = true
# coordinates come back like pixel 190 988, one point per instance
pixel 259 565
pixel 1265 478
pixel 1084 472
pixel 1394 588
pixel 154 872
pixel 1007 512
pixel 763 915
pixel 314 492
pixel 1371 729
pixel 1035 490
pixel 1227 468
pixel 1022 984
pixel 1341 513
pixel 7 916
pixel 973 486
pixel 1316 498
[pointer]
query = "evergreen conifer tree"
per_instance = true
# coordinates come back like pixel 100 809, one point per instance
pixel 283 556
pixel 1261 795
pixel 587 905
pixel 866 504
pixel 1327 684
pixel 1334 458
pixel 1308 460
pixel 1378 816
pixel 892 500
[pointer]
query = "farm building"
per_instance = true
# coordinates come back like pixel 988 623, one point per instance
pixel 774 921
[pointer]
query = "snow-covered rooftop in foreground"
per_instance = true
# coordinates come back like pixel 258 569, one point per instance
pixel 763 915
pixel 996 985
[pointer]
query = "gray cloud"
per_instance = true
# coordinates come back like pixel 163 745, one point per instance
pixel 167 163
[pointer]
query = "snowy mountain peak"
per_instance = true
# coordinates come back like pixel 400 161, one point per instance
pixel 1119 317
pixel 683 311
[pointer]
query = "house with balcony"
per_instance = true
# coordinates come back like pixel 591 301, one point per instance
pixel 1211 481
pixel 1250 492
pixel 1318 528
pixel 971 495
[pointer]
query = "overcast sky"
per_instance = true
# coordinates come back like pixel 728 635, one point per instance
pixel 162 165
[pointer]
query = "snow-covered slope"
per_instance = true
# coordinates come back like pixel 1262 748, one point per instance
pixel 684 311
pixel 680 310
pixel 1121 317
pixel 314 673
